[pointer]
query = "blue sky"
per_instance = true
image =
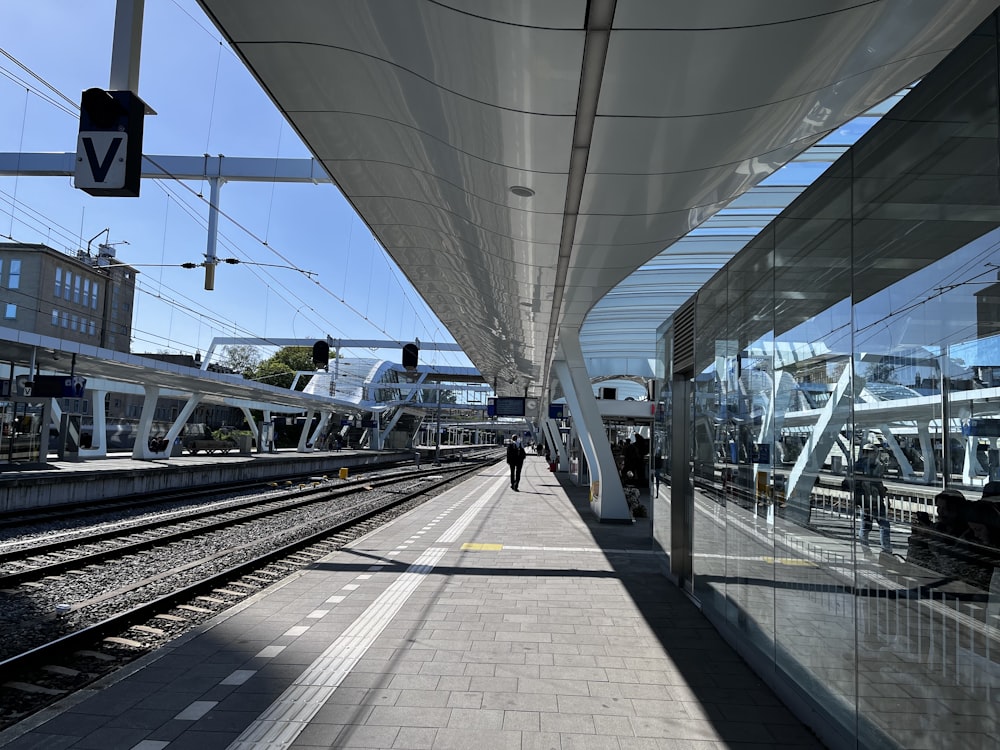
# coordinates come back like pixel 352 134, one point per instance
pixel 206 102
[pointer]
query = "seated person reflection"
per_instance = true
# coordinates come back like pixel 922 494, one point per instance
pixel 963 543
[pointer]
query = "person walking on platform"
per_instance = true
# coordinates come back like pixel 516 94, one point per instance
pixel 515 457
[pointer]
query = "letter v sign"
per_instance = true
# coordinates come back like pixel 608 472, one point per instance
pixel 100 160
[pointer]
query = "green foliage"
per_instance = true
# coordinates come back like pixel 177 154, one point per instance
pixel 881 372
pixel 242 359
pixel 280 369
pixel 430 396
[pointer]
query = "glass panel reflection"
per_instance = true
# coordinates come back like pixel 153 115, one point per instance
pixel 846 428
pixel 709 517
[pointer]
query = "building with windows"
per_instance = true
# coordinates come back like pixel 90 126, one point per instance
pixel 81 298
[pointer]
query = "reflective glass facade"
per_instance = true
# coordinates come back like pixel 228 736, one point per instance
pixel 826 461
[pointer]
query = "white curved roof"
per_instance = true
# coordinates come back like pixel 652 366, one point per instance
pixel 632 122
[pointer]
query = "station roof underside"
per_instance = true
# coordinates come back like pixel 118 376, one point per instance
pixel 55 355
pixel 521 160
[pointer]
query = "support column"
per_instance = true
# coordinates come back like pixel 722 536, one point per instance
pixel 551 432
pixel 905 467
pixel 175 429
pixel 141 451
pixel 99 436
pixel 927 452
pixel 607 493
pixel 304 437
pixel 320 428
pixel 252 424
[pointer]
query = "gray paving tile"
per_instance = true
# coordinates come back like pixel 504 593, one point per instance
pixel 399 716
pixel 193 740
pixel 463 699
pixel 432 698
pixel 491 658
pixel 415 738
pixel 107 737
pixel 41 741
pixel 361 736
pixel 463 739
pixel 540 741
pixel 567 723
pixel 588 742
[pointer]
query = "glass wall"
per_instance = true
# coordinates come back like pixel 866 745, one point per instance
pixel 845 439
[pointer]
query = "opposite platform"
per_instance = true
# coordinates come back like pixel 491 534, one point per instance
pixel 485 618
pixel 65 482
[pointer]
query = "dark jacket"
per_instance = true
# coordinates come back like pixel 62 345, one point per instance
pixel 515 453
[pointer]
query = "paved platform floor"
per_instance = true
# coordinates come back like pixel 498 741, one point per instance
pixel 487 618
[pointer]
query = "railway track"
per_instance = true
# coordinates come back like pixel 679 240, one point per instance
pixel 35 558
pixel 69 621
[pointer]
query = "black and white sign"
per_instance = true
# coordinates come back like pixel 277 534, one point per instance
pixel 100 160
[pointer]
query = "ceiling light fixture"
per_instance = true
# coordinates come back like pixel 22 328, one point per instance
pixel 522 192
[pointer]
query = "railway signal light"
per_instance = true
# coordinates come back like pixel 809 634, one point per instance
pixel 410 354
pixel 321 354
pixel 109 145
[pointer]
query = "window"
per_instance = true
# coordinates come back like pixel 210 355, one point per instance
pixel 93 328
pixel 93 296
pixel 72 322
pixel 86 292
pixel 64 319
pixel 76 289
pixel 67 284
pixel 10 311
pixel 58 289
pixel 14 275
pixel 55 317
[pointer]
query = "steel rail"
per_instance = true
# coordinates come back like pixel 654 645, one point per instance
pixel 117 623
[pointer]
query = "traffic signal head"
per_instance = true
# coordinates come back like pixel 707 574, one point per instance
pixel 410 353
pixel 321 354
pixel 109 145
pixel 100 110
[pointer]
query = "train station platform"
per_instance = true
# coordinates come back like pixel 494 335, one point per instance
pixel 484 618
pixel 64 482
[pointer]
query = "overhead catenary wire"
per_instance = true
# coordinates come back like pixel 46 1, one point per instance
pixel 68 106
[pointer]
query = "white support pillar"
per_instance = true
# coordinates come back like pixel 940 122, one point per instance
pixel 55 414
pixel 252 423
pixel 905 467
pixel 927 452
pixel 607 494
pixel 126 46
pixel 392 424
pixel 324 417
pixel 550 431
pixel 962 414
pixel 834 415
pixel 175 429
pixel 211 261
pixel 304 436
pixel 141 451
pixel 99 436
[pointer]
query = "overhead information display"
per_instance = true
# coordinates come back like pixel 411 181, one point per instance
pixel 509 406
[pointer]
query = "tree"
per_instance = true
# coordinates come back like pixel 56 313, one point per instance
pixel 429 396
pixel 883 371
pixel 280 369
pixel 242 359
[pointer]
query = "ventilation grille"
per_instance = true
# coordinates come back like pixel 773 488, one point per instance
pixel 683 340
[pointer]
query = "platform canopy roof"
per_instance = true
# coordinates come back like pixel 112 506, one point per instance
pixel 519 159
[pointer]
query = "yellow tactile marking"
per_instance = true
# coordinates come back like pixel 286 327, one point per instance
pixel 474 547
